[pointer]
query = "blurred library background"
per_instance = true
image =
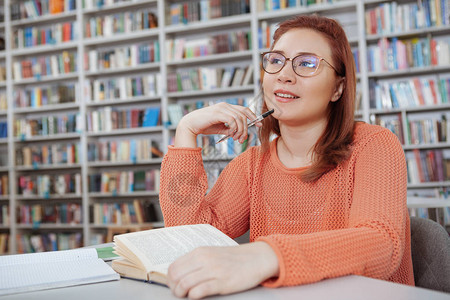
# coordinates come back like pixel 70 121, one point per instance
pixel 91 92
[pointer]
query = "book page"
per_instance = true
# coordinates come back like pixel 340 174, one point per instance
pixel 51 256
pixel 25 277
pixel 163 246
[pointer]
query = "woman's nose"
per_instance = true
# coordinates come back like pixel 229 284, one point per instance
pixel 287 74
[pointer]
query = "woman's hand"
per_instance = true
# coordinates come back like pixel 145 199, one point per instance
pixel 222 270
pixel 221 118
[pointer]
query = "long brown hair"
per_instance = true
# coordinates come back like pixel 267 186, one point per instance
pixel 333 145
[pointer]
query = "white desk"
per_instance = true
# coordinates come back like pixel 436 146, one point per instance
pixel 345 288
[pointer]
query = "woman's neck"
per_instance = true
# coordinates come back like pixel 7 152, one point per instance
pixel 295 145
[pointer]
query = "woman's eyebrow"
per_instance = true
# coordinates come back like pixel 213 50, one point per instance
pixel 296 54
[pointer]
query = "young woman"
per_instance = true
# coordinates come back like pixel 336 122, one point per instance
pixel 325 198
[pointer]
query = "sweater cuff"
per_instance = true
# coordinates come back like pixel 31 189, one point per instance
pixel 184 150
pixel 275 281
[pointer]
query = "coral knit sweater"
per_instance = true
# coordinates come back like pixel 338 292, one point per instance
pixel 353 220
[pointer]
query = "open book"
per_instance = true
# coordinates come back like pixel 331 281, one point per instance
pixel 146 255
pixel 47 270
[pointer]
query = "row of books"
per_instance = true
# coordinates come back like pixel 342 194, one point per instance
pixel 36 214
pixel 204 10
pixel 209 78
pixel 181 48
pixel 4 185
pixel 213 171
pixel 47 126
pixel 428 166
pixel 132 150
pixel 226 149
pixel 120 182
pixel 394 124
pixel 90 4
pixel 29 243
pixel 44 35
pixel 120 23
pixel 4 215
pixel 42 95
pixel 429 131
pixel 48 185
pixel 265 33
pixel 412 92
pixel 177 110
pixel 409 53
pixel 122 57
pixel 124 213
pixel 48 154
pixel 4 242
pixel 124 87
pixel 270 5
pixel 391 17
pixel 49 65
pixel 441 214
pixel 37 8
pixel 107 119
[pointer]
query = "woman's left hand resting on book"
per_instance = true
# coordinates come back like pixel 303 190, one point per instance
pixel 210 271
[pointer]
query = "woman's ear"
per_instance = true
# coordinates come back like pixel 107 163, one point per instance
pixel 339 90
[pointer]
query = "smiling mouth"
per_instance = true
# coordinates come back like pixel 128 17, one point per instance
pixel 287 96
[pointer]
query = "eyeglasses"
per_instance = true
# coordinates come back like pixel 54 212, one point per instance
pixel 304 65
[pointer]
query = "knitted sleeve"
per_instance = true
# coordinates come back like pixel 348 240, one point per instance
pixel 184 198
pixel 373 243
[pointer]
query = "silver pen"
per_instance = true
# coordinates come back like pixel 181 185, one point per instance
pixel 251 123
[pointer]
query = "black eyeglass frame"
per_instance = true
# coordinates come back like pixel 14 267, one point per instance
pixel 292 63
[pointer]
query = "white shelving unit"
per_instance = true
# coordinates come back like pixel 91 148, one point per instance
pixel 351 13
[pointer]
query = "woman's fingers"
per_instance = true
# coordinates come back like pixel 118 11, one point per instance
pixel 242 117
pixel 221 118
pixel 198 282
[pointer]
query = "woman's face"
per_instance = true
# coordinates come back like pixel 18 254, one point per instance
pixel 302 100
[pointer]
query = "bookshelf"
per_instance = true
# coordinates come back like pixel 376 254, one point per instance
pixel 409 93
pixel 112 73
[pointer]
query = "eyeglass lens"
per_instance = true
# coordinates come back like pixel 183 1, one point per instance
pixel 303 65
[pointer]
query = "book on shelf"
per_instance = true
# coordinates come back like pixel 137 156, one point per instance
pixel 48 270
pixel 146 255
pixel 4 218
pixel 4 237
pixel 4 186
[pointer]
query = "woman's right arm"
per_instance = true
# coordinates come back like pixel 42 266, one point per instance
pixel 183 185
